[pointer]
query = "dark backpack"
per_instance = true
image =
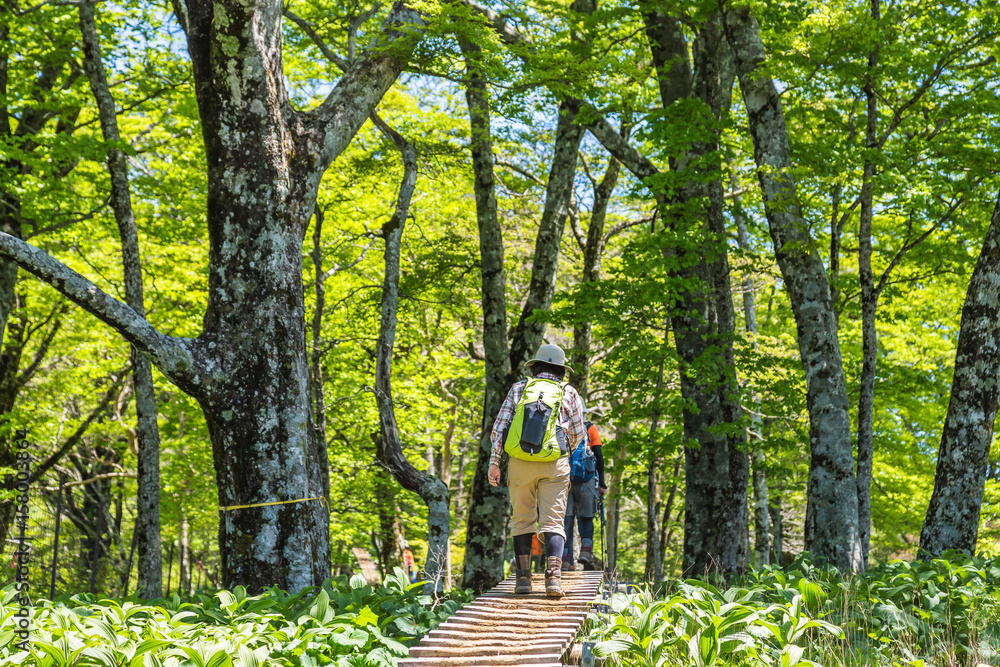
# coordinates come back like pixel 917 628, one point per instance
pixel 583 461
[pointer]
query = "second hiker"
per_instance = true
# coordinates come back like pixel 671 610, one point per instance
pixel 587 489
pixel 537 422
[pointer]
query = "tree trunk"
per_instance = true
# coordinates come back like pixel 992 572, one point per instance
pixel 716 468
pixel 777 534
pixel 832 506
pixel 613 502
pixel 592 252
pixel 654 562
pixel 668 508
pixel 432 490
pixel 869 304
pixel 184 559
pixel 489 506
pixel 952 520
pixel 527 336
pixel 316 356
pixel 762 531
pixel 147 430
pixel 654 559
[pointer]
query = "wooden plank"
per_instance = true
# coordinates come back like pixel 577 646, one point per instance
pixel 553 650
pixel 475 635
pixel 502 629
pixel 536 609
pixel 562 640
pixel 545 660
pixel 514 627
pixel 499 625
pixel 481 640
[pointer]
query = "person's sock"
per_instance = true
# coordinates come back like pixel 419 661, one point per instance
pixel 555 544
pixel 586 539
pixel 567 554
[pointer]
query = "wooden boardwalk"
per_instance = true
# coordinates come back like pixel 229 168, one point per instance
pixel 500 629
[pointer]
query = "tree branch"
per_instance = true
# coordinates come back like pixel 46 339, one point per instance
pixel 364 83
pixel 175 357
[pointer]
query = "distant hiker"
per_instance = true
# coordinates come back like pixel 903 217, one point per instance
pixel 586 488
pixel 410 565
pixel 537 554
pixel 538 421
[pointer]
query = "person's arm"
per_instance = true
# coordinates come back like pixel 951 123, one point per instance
pixel 577 430
pixel 595 446
pixel 504 417
pixel 599 461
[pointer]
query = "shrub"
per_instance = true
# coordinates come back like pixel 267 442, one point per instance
pixel 941 612
pixel 345 622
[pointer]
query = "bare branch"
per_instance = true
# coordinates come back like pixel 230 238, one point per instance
pixel 884 279
pixel 309 30
pixel 91 480
pixel 622 226
pixel 117 379
pixel 519 170
pixel 586 170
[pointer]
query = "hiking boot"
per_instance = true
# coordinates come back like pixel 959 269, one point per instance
pixel 523 574
pixel 566 565
pixel 586 559
pixel 553 578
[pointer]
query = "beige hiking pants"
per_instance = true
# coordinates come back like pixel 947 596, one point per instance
pixel 538 495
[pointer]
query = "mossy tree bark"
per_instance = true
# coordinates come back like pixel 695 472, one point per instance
pixel 952 520
pixel 832 507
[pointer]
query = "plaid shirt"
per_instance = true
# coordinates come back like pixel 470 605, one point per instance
pixel 570 416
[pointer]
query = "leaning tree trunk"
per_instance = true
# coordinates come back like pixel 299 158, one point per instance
pixel 593 249
pixel 527 335
pixel 431 489
pixel 150 565
pixel 832 507
pixel 952 520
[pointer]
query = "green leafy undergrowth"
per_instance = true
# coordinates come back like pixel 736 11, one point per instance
pixel 346 623
pixel 937 613
pixel 702 625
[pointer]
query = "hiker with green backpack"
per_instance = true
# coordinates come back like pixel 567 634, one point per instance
pixel 587 488
pixel 537 423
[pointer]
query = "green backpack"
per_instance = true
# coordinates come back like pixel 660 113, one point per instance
pixel 534 433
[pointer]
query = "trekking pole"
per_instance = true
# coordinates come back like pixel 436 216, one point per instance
pixel 604 538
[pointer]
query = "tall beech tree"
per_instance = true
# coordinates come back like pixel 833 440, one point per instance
pixel 952 520
pixel 248 368
pixel 147 528
pixel 717 464
pixel 832 503
pixel 704 321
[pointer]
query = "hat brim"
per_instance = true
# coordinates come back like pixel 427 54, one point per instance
pixel 531 362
